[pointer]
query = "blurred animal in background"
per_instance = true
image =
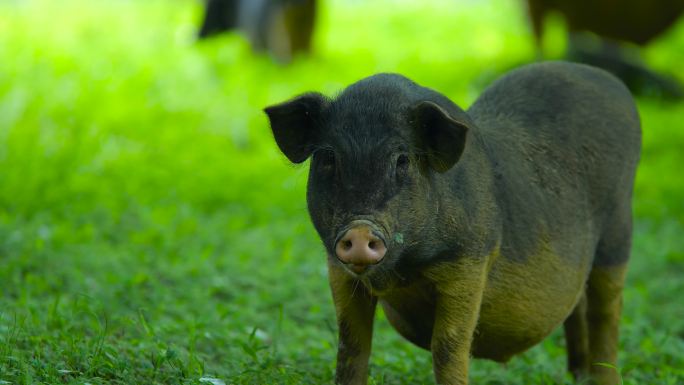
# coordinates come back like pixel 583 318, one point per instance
pixel 616 24
pixel 282 28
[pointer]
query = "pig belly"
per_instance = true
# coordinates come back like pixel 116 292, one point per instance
pixel 522 304
pixel 525 301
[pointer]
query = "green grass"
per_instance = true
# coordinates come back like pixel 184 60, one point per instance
pixel 150 232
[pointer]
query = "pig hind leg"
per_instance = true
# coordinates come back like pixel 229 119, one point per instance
pixel 577 340
pixel 604 305
pixel 604 298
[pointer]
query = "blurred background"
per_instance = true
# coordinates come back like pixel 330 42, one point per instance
pixel 150 231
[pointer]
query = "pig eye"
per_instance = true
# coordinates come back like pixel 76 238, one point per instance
pixel 402 166
pixel 326 160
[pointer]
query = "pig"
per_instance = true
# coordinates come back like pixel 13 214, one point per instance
pixel 479 232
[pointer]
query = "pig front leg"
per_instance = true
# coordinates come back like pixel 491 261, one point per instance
pixel 355 308
pixel 460 286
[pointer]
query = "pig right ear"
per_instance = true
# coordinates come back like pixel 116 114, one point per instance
pixel 441 136
pixel 294 124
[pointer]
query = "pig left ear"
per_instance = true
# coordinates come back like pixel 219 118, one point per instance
pixel 440 135
pixel 294 124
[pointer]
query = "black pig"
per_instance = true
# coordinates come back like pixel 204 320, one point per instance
pixel 478 232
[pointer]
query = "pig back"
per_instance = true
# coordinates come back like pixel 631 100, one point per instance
pixel 563 140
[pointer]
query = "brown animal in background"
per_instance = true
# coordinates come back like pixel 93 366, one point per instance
pixel 634 21
pixel 282 28
pixel 615 22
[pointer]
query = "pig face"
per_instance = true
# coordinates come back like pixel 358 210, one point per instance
pixel 374 151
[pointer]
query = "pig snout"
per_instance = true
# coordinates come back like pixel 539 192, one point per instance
pixel 360 245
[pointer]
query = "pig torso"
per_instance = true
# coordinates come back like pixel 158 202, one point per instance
pixel 556 150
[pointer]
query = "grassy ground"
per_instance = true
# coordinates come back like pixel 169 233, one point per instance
pixel 151 233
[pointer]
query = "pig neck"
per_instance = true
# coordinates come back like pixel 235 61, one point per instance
pixel 463 198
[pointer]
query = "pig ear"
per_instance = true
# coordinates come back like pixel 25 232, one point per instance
pixel 440 135
pixel 293 124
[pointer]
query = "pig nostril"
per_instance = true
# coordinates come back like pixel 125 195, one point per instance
pixel 346 245
pixel 371 245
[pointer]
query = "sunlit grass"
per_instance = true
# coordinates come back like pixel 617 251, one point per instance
pixel 150 232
